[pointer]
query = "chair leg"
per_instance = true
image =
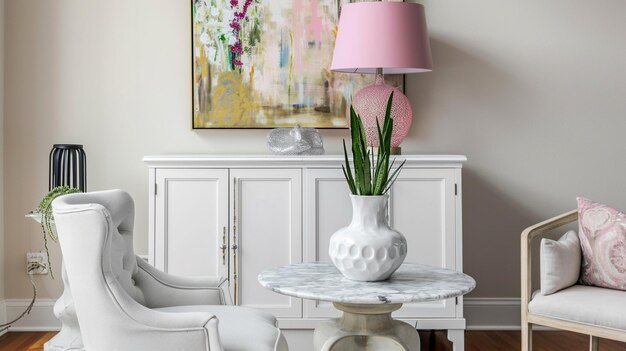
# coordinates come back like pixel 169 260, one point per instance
pixel 527 337
pixel 594 343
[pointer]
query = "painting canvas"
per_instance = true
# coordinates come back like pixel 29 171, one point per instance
pixel 266 64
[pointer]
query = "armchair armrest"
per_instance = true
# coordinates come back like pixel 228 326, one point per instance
pixel 178 329
pixel 142 327
pixel 528 235
pixel 164 290
pixel 181 330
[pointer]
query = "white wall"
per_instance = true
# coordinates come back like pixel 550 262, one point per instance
pixel 534 93
pixel 531 91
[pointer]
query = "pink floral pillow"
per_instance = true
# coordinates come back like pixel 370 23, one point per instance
pixel 602 232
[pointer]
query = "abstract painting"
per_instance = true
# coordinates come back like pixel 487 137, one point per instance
pixel 266 64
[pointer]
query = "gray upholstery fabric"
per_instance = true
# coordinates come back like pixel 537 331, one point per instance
pixel 124 263
pixel 259 331
pixel 584 304
pixel 163 290
pixel 117 295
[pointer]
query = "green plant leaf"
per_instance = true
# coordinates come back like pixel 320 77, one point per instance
pixel 382 177
pixel 367 173
pixel 45 209
pixel 389 171
pixel 378 176
pixel 388 126
pixel 365 159
pixel 393 177
pixel 347 171
pixel 350 181
pixel 384 150
pixel 360 155
pixel 373 169
pixel 356 155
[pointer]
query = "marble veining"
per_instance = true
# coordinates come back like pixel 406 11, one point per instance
pixel 410 283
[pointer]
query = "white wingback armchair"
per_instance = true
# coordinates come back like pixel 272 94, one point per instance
pixel 125 304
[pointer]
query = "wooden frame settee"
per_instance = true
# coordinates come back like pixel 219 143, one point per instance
pixel 593 306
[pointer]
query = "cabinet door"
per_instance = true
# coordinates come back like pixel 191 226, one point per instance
pixel 267 220
pixel 327 208
pixel 422 206
pixel 191 219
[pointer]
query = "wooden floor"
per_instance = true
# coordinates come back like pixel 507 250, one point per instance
pixel 24 341
pixel 511 341
pixel 436 341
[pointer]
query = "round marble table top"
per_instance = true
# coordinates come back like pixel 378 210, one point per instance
pixel 410 283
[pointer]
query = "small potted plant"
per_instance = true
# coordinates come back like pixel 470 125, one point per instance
pixel 45 211
pixel 368 249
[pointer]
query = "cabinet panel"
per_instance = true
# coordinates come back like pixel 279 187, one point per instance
pixel 422 207
pixel 268 219
pixel 192 208
pixel 327 208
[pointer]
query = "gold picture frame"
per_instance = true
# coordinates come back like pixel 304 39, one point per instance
pixel 266 64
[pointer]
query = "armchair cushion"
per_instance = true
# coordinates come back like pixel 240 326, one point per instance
pixel 240 328
pixel 164 290
pixel 584 304
pixel 559 263
pixel 603 241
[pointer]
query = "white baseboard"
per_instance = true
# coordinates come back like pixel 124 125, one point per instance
pixel 492 313
pixel 40 318
pixel 3 316
pixel 481 314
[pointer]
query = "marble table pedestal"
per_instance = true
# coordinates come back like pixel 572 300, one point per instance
pixel 366 327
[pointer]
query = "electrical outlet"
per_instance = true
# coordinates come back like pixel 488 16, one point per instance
pixel 36 263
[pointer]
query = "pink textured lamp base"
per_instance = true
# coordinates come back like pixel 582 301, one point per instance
pixel 371 102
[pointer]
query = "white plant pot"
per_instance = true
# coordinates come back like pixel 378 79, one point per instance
pixel 368 249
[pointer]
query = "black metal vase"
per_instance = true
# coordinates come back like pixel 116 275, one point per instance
pixel 68 166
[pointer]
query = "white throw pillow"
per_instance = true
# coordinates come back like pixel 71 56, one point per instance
pixel 560 263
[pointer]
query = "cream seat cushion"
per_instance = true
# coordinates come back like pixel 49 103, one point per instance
pixel 240 328
pixel 584 304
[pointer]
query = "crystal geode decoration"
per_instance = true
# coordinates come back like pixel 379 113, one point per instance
pixel 295 141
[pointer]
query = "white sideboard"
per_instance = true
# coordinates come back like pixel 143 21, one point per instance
pixel 239 215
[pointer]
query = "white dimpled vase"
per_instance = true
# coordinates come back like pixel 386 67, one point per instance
pixel 368 249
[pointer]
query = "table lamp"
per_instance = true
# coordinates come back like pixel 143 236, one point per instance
pixel 382 38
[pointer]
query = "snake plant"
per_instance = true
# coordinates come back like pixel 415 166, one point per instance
pixel 371 176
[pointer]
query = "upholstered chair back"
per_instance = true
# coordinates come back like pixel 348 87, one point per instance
pixel 118 210
pixel 96 237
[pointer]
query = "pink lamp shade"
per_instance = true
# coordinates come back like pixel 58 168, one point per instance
pixel 387 35
pixel 382 38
